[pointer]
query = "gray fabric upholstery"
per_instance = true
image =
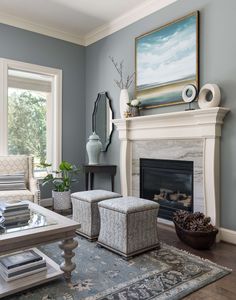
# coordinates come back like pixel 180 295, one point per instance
pixel 129 204
pixel 126 230
pixel 94 195
pixel 85 210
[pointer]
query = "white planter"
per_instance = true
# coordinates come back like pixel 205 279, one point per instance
pixel 61 200
pixel 94 147
pixel 124 99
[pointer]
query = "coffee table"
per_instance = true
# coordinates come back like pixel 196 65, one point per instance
pixel 44 227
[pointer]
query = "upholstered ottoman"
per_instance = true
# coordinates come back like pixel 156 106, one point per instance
pixel 85 210
pixel 128 225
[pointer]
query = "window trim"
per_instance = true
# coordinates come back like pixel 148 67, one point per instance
pixel 5 64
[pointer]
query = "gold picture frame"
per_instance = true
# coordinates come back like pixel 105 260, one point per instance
pixel 166 60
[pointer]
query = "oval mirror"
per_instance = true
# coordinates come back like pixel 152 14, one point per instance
pixel 102 119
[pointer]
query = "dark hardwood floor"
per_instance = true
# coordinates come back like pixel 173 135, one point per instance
pixel 222 253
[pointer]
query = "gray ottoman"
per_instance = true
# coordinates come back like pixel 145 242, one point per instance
pixel 128 225
pixel 85 210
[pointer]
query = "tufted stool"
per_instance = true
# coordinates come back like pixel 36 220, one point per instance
pixel 128 225
pixel 85 210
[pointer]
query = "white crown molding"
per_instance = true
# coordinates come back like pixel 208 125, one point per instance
pixel 126 19
pixel 38 28
pixel 139 12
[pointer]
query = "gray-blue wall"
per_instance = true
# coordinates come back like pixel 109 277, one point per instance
pixel 89 71
pixel 38 49
pixel 217 65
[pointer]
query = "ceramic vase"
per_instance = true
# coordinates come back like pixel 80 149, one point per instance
pixel 61 200
pixel 94 147
pixel 124 99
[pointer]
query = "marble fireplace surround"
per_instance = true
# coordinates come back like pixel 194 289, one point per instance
pixel 186 135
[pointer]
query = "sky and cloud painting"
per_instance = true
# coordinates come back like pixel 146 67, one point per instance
pixel 168 55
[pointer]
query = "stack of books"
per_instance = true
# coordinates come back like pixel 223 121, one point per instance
pixel 17 213
pixel 2 228
pixel 21 264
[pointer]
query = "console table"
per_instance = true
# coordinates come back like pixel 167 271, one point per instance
pixel 90 170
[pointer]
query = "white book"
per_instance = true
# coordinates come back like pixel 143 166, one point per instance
pixel 44 269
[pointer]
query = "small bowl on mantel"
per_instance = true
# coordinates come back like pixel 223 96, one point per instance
pixel 200 240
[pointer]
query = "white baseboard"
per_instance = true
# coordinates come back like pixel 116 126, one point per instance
pixel 228 235
pixel 166 222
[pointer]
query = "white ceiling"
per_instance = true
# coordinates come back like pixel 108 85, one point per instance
pixel 79 21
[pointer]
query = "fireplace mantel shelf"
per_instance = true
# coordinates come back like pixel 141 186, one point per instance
pixel 204 124
pixel 197 123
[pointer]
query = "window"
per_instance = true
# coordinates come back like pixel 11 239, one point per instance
pixel 30 112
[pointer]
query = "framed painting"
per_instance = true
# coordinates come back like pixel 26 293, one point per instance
pixel 166 60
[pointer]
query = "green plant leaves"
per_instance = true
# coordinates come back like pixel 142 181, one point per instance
pixel 63 178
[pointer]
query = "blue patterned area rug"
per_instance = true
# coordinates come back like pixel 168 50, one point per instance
pixel 167 273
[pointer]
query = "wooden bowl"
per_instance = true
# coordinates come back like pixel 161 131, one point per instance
pixel 200 240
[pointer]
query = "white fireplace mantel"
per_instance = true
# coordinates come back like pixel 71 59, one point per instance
pixel 202 124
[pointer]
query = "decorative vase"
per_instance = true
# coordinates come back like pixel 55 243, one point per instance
pixel 61 200
pixel 94 147
pixel 124 99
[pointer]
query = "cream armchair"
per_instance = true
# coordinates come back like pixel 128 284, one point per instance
pixel 20 163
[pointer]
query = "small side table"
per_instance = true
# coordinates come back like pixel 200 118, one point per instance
pixel 90 170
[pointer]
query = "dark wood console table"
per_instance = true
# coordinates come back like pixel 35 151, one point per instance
pixel 90 170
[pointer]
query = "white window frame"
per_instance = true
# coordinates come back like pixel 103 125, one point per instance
pixel 54 155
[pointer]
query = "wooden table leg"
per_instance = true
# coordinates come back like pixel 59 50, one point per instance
pixel 68 266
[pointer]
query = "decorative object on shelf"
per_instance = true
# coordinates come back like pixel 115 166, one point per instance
pixel 195 229
pixel 127 114
pixel 124 99
pixel 102 119
pixel 61 180
pixel 189 94
pixel 15 213
pixel 134 108
pixel 123 83
pixel 21 264
pixel 167 60
pixel 209 96
pixel 94 147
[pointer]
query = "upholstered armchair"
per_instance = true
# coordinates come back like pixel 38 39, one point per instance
pixel 13 164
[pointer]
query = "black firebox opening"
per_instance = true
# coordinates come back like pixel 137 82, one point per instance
pixel 168 182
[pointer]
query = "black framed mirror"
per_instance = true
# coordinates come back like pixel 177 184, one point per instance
pixel 102 119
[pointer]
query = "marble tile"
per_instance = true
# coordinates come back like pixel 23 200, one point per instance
pixel 186 150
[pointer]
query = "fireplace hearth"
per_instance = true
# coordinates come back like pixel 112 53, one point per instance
pixel 169 183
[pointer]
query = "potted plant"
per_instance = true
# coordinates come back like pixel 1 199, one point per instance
pixel 61 180
pixel 195 229
pixel 134 107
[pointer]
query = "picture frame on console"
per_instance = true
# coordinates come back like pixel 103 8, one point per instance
pixel 166 60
